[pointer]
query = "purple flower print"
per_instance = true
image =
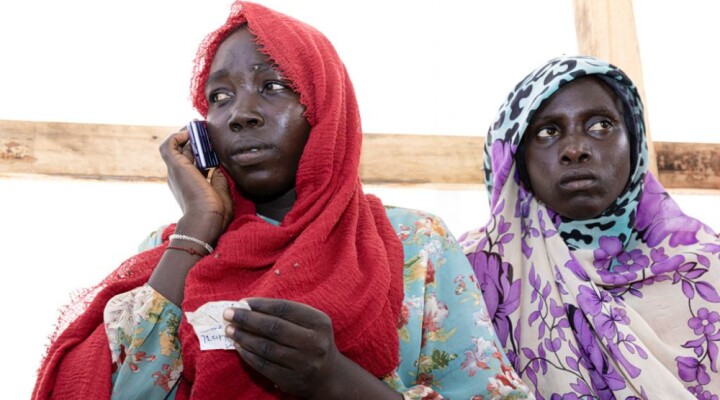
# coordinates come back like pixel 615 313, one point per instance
pixel 545 231
pixel 565 396
pixel 502 161
pixel 522 206
pixel 668 264
pixel 502 295
pixel 632 261
pixel 603 376
pixel 610 247
pixel 711 248
pixel 581 389
pixel 704 322
pixel 655 201
pixel 620 315
pixel 691 370
pixel 615 278
pixel 696 390
pixel 658 254
pixel 573 265
pixel 606 325
pixel 701 394
pixel 590 301
pixel 705 395
pixel 707 292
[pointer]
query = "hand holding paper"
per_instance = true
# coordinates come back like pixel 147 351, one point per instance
pixel 290 343
pixel 209 324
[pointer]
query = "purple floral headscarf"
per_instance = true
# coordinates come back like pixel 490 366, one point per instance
pixel 628 309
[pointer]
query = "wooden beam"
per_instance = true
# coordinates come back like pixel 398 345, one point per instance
pixel 421 159
pixel 129 152
pixel 82 150
pixel 689 165
pixel 606 29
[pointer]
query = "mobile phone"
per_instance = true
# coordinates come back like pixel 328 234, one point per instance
pixel 205 157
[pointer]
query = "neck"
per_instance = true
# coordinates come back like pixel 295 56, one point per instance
pixel 278 207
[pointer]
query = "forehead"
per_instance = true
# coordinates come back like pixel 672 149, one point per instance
pixel 238 49
pixel 583 93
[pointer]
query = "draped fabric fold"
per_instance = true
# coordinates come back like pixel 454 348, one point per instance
pixel 335 250
pixel 624 304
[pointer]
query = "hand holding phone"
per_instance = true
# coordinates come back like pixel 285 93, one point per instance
pixel 205 157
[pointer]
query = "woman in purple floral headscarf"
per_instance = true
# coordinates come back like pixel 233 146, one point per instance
pixel 596 281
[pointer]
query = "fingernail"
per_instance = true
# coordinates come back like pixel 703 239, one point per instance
pixel 243 304
pixel 228 314
pixel 229 330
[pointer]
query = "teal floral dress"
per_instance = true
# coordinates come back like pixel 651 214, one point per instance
pixel 448 348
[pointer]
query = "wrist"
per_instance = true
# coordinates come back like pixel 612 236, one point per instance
pixel 329 388
pixel 175 237
pixel 206 228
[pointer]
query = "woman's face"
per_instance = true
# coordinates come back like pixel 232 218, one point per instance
pixel 255 120
pixel 577 150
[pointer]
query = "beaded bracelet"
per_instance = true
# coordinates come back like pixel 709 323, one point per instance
pixel 186 249
pixel 192 239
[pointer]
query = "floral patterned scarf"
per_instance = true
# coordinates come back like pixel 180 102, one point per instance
pixel 623 305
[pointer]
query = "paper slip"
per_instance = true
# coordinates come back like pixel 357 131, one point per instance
pixel 209 324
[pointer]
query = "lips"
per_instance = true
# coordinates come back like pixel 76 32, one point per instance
pixel 577 180
pixel 253 149
pixel 247 154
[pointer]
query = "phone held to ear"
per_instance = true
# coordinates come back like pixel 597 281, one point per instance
pixel 205 157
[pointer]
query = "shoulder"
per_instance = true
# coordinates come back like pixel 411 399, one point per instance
pixel 406 221
pixel 406 215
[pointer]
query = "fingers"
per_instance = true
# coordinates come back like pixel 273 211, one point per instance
pixel 174 144
pixel 301 314
pixel 285 375
pixel 262 348
pixel 187 152
pixel 262 364
pixel 219 183
pixel 271 327
pixel 290 343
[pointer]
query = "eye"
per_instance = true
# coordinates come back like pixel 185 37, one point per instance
pixel 600 126
pixel 217 97
pixel 547 132
pixel 274 86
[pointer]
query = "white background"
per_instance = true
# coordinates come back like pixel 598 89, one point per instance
pixel 418 66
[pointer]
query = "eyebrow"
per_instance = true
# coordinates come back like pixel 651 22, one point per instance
pixel 602 110
pixel 217 75
pixel 222 73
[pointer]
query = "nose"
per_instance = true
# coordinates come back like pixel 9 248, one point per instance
pixel 576 149
pixel 245 114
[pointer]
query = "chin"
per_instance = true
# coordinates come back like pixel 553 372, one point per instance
pixel 580 207
pixel 582 212
pixel 580 217
pixel 262 195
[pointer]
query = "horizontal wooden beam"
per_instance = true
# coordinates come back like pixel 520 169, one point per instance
pixel 130 152
pixel 421 159
pixel 82 150
pixel 689 165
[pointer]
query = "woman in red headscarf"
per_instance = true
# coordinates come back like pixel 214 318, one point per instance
pixel 337 291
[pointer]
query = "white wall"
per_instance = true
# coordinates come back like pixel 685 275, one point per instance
pixel 418 67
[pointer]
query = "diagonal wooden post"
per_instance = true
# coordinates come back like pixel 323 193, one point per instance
pixel 606 29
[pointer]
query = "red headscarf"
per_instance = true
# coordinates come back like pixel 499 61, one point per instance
pixel 335 250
